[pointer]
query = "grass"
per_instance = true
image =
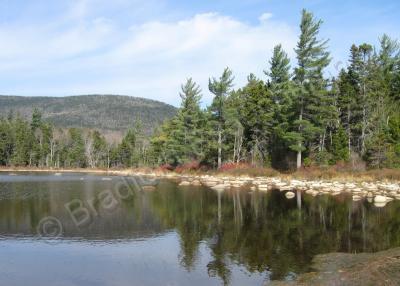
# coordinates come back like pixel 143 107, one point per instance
pixel 312 173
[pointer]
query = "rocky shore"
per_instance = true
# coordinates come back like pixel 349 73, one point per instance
pixel 378 192
pixel 380 268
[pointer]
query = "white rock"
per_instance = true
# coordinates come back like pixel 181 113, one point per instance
pixel 381 199
pixel 220 187
pixel 290 195
pixel 148 188
pixel 380 205
pixel 196 183
pixel 210 183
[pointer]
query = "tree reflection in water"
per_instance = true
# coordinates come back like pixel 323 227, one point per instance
pixel 263 232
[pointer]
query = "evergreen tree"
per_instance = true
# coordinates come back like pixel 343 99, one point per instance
pixel 22 151
pixel 36 126
pixel 126 149
pixel 6 142
pixel 75 149
pixel 312 57
pixel 340 146
pixel 180 140
pixel 279 66
pixel 36 119
pixel 281 89
pixel 256 114
pixel 46 145
pixel 220 88
pixel 189 123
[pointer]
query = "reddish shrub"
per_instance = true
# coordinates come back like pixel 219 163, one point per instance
pixel 165 167
pixel 187 167
pixel 233 166
pixel 245 169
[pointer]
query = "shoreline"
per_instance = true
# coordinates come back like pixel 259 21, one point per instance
pixel 380 191
pixel 378 268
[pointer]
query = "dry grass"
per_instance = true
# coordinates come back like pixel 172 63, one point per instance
pixel 329 173
pixel 314 173
pixel 348 175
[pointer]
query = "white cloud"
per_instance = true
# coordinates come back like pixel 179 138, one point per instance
pixel 149 60
pixel 265 17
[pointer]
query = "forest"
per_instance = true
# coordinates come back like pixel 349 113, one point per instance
pixel 295 116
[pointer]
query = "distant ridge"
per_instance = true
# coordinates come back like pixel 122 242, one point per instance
pixel 103 112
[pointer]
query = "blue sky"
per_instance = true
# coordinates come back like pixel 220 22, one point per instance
pixel 148 48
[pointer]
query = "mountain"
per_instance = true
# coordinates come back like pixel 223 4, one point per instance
pixel 108 113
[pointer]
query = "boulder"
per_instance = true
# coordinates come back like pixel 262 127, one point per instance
pixel 290 195
pixel 381 199
pixel 220 187
pixel 184 183
pixel 380 205
pixel 148 188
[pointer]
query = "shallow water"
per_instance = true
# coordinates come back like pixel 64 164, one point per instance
pixel 78 229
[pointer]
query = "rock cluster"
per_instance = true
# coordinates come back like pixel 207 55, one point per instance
pixel 379 192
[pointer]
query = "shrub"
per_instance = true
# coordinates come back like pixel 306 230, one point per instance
pixel 166 167
pixel 187 167
pixel 231 166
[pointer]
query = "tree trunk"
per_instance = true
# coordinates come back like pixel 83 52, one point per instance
pixel 364 120
pixel 219 146
pixel 300 143
pixel 349 130
pixel 299 157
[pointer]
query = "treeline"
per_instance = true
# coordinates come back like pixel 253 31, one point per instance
pixel 39 144
pixel 296 115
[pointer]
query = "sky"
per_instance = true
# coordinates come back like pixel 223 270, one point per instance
pixel 149 48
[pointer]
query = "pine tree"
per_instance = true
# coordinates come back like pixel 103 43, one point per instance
pixel 281 89
pixel 312 58
pixel 383 105
pixel 75 149
pixel 256 114
pixel 279 66
pixel 192 121
pixel 37 139
pixel 6 142
pixel 180 139
pixel 220 88
pixel 126 150
pixel 22 155
pixel 36 121
pixel 340 146
pixel 346 103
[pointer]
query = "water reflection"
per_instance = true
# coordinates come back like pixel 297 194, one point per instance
pixel 233 237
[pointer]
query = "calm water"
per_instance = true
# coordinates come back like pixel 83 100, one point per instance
pixel 76 229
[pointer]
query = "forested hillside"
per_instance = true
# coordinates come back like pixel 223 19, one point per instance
pixel 102 112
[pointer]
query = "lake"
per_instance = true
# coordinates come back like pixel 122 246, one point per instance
pixel 82 229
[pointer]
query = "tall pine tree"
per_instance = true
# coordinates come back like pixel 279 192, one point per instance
pixel 313 58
